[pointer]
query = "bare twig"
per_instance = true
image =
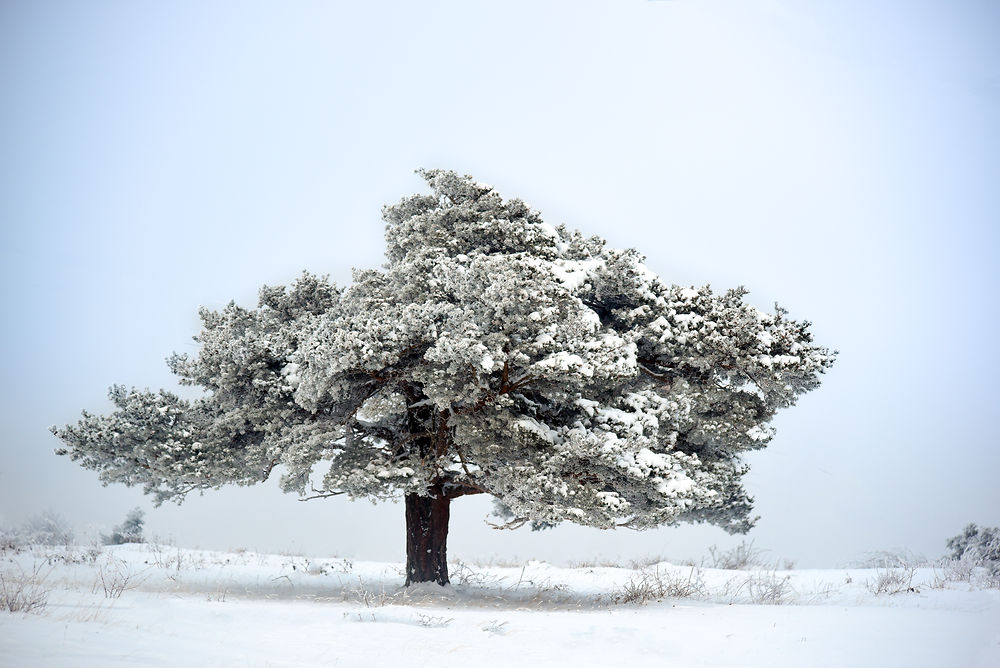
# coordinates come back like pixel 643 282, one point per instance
pixel 320 494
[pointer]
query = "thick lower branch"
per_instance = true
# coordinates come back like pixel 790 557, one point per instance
pixel 453 490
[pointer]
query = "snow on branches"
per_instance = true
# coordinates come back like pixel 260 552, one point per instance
pixel 492 353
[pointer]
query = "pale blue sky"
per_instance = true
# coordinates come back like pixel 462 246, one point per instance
pixel 840 157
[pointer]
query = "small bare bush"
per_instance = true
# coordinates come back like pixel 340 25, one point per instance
pixel 656 586
pixel 766 588
pixel 894 571
pixel 341 566
pixel 769 589
pixel 896 580
pixel 742 557
pixel 170 558
pixel 24 592
pixel 818 594
pixel 114 577
pixel 463 574
pixel 219 596
pixel 371 599
pixel 643 562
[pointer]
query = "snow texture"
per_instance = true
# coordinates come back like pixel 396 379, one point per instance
pixel 185 607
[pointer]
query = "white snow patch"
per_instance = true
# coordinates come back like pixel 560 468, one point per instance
pixel 758 433
pixel 290 372
pixel 648 458
pixel 537 428
pixel 400 472
pixel 199 608
pixel 548 231
pixel 574 273
pixel 563 361
pixel 676 485
pixel 613 501
pixel 487 363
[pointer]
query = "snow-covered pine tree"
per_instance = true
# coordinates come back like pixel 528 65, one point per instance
pixel 129 531
pixel 492 354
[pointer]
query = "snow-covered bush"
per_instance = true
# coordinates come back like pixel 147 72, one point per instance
pixel 950 570
pixel 974 558
pixel 980 546
pixel 893 571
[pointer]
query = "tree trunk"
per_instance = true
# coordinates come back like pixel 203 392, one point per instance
pixel 427 538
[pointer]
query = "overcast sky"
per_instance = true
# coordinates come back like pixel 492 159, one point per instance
pixel 839 157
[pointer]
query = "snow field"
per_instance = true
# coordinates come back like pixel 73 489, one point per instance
pixel 154 605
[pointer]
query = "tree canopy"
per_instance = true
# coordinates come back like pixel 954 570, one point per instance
pixel 492 353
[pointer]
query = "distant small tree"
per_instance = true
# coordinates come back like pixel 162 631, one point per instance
pixel 129 531
pixel 492 354
pixel 981 546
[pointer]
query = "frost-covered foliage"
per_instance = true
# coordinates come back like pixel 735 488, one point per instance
pixel 45 528
pixel 492 353
pixel 978 546
pixel 129 531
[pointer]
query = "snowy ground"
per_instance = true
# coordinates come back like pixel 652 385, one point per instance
pixel 148 605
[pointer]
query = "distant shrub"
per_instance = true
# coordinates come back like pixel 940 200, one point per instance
pixel 979 546
pixel 46 528
pixel 892 559
pixel 8 539
pixel 741 557
pixel 129 531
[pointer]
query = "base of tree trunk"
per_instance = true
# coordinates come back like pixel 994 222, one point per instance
pixel 427 538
